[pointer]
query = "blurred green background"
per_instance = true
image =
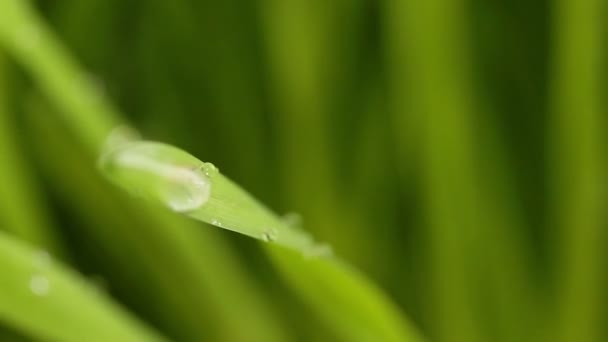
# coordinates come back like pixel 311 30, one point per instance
pixel 454 151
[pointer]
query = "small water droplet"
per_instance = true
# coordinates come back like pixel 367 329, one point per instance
pixel 217 223
pixel 209 169
pixel 212 167
pixel 40 285
pixel 149 169
pixel 187 190
pixel 270 235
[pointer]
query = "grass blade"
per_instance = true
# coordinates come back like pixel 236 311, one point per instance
pixel 92 119
pixel 578 159
pixel 339 294
pixel 39 297
pixel 21 211
pixel 433 70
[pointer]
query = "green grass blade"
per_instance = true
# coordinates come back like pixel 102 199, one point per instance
pixel 39 297
pixel 28 39
pixel 430 48
pixel 578 161
pixel 92 119
pixel 299 50
pixel 184 277
pixel 230 206
pixel 183 183
pixel 20 210
pixel 354 308
pixel 349 303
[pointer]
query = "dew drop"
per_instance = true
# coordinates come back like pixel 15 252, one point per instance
pixel 217 223
pixel 209 169
pixel 186 190
pixel 40 285
pixel 148 169
pixel 270 235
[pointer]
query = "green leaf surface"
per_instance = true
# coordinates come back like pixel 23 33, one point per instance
pixel 52 303
pixel 354 308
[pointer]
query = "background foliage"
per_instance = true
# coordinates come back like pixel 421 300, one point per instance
pixel 453 151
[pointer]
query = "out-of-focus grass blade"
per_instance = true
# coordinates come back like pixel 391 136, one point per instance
pixel 20 210
pixel 183 277
pixel 31 42
pixel 52 303
pixel 430 45
pixel 351 306
pixel 93 129
pixel 11 335
pixel 298 49
pixel 578 164
pixel 92 119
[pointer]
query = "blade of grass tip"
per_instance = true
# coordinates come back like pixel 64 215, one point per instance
pixel 353 307
pixel 38 297
pixel 20 208
pixel 94 121
pixel 430 40
pixel 578 158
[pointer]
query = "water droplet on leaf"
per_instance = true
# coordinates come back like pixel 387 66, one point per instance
pixel 270 235
pixel 39 285
pixel 158 172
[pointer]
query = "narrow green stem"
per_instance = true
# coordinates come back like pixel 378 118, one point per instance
pixel 298 52
pixel 579 165
pixel 71 90
pixel 430 45
pixel 20 208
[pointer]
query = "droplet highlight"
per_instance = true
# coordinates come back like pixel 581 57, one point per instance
pixel 40 285
pixel 270 235
pixel 157 172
